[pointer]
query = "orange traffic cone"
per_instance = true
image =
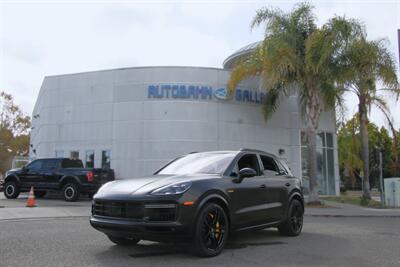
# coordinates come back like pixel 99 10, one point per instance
pixel 31 202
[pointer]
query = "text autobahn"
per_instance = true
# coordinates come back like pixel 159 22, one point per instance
pixel 201 92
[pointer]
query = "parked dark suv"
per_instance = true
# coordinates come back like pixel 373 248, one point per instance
pixel 202 198
pixel 67 175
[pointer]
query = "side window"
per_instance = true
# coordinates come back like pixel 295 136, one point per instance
pixel 35 165
pixel 270 166
pixel 50 164
pixel 249 161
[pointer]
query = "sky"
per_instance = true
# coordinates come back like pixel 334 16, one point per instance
pixel 42 38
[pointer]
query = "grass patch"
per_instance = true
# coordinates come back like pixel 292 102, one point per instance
pixel 354 200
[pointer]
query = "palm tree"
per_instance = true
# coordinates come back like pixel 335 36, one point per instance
pixel 364 64
pixel 297 55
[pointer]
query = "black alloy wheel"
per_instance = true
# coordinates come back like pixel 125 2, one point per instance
pixel 294 222
pixel 211 231
pixel 71 192
pixel 11 190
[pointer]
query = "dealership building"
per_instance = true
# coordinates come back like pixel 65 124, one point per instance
pixel 134 120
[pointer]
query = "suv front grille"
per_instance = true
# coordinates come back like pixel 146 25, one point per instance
pixel 134 210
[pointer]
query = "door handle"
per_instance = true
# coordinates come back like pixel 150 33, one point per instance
pixel 287 184
pixel 263 186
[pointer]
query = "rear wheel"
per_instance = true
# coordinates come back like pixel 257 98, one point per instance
pixel 71 192
pixel 294 221
pixel 11 190
pixel 123 241
pixel 211 231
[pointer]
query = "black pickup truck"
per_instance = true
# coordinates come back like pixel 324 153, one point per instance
pixel 67 175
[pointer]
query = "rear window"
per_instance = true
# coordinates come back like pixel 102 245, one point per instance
pixel 72 163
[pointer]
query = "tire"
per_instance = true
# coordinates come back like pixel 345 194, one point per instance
pixel 11 190
pixel 40 194
pixel 211 231
pixel 71 192
pixel 122 241
pixel 293 224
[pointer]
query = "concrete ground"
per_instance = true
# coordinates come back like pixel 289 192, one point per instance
pixel 57 233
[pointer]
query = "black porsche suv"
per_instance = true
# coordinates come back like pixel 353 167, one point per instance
pixel 202 198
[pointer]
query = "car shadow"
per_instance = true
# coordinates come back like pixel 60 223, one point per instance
pixel 237 241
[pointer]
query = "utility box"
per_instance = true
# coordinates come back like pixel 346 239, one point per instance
pixel 392 192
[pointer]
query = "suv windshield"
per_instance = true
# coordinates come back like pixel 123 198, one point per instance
pixel 210 163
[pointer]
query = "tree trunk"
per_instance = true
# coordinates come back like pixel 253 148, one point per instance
pixel 313 111
pixel 362 112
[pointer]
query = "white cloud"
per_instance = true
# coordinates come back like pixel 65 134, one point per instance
pixel 47 38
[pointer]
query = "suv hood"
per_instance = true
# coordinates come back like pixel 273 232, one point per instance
pixel 147 184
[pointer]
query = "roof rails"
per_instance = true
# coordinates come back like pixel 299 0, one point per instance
pixel 251 150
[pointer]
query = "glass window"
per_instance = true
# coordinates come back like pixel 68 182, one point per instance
pixel 89 159
pixel 270 166
pixel 59 153
pixel 105 159
pixel 74 154
pixel 35 165
pixel 50 164
pixel 249 161
pixel 329 140
pixel 213 163
pixel 325 163
pixel 70 163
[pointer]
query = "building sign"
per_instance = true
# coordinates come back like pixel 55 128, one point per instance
pixel 200 92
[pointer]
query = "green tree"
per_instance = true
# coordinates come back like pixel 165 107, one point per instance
pixel 297 55
pixel 14 131
pixel 363 65
pixel 349 147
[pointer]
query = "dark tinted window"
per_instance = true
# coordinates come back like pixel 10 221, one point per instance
pixel 106 159
pixel 90 159
pixel 269 164
pixel 249 161
pixel 35 165
pixel 72 163
pixel 50 164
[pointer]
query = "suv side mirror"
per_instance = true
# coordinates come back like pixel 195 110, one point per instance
pixel 25 169
pixel 245 173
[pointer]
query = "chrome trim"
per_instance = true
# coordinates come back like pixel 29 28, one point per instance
pixel 160 206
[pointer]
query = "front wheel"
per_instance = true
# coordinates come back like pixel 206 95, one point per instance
pixel 122 241
pixel 11 190
pixel 293 224
pixel 71 192
pixel 211 231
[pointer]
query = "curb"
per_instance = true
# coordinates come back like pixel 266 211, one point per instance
pixel 351 216
pixel 44 218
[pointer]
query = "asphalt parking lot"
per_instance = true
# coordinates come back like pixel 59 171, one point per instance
pixel 57 233
pixel 324 242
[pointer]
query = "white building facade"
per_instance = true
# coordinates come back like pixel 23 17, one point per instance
pixel 134 120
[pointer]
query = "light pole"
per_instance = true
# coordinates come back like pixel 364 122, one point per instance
pixel 381 178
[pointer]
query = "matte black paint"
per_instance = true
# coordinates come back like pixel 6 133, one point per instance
pixel 257 202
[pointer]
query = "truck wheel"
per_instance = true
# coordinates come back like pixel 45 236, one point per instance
pixel 293 224
pixel 211 231
pixel 11 190
pixel 122 241
pixel 71 192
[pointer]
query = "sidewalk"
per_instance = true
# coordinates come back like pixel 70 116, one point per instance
pixel 57 208
pixel 14 209
pixel 347 210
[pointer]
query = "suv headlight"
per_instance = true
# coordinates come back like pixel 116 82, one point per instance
pixel 174 189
